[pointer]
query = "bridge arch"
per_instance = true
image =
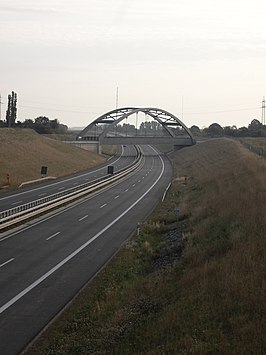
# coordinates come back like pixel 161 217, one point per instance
pixel 112 118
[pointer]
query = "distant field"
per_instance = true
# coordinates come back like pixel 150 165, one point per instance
pixel 195 285
pixel 257 142
pixel 23 152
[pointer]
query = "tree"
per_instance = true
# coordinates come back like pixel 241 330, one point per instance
pixel 242 132
pixel 28 124
pixel 215 130
pixel 254 128
pixel 42 125
pixel 195 130
pixel 230 131
pixel 62 129
pixel 11 113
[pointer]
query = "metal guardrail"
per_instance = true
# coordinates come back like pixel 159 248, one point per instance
pixel 33 208
pixel 259 151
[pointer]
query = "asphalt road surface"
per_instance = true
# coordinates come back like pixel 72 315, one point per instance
pixel 27 194
pixel 45 263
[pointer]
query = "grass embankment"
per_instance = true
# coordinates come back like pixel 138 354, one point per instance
pixel 23 152
pixel 196 286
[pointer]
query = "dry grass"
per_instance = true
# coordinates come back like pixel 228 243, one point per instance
pixel 257 142
pixel 23 152
pixel 208 300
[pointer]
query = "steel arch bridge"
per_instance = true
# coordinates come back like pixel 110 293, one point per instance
pixel 101 130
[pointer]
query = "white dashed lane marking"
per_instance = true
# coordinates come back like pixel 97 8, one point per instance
pixel 52 236
pixel 81 219
pixel 7 262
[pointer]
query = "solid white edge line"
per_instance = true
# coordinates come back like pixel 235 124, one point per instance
pixel 72 255
pixel 166 190
pixel 7 262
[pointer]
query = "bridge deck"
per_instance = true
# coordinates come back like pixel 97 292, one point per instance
pixel 179 140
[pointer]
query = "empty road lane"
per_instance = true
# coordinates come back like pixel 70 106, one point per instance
pixel 45 264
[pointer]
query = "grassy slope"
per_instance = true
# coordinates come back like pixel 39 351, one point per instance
pixel 23 152
pixel 188 287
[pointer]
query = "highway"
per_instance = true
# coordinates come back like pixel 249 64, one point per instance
pixel 27 194
pixel 44 264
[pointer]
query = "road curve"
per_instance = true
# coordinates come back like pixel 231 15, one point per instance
pixel 45 264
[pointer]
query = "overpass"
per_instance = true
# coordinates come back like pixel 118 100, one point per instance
pixel 104 130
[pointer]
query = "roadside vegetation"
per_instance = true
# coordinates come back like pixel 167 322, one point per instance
pixel 192 285
pixel 24 151
pixel 257 142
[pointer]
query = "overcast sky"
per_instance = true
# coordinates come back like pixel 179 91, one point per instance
pixel 202 60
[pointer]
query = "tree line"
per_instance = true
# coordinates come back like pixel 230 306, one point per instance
pixel 41 124
pixel 44 125
pixel 254 129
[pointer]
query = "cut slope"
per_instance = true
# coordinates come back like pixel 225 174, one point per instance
pixel 195 285
pixel 23 152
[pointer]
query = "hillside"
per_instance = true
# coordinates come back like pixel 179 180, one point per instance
pixel 195 285
pixel 23 152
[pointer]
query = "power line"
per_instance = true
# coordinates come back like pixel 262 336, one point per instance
pixel 58 110
pixel 187 113
pixel 263 111
pixel 116 103
pixel 0 107
pixel 212 112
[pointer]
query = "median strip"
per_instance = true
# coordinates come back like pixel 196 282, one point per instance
pixel 12 301
pixel 24 212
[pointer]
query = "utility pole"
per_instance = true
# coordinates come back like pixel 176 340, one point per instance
pixel 0 107
pixel 182 107
pixel 116 106
pixel 116 103
pixel 263 111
